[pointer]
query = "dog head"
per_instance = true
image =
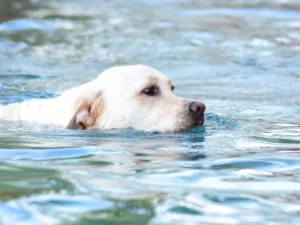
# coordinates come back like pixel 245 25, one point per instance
pixel 138 97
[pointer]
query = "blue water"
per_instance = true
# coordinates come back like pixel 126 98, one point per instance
pixel 241 58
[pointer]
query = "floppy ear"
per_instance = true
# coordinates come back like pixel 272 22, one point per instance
pixel 86 114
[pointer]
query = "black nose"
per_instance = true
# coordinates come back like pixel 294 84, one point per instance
pixel 197 107
pixel 196 110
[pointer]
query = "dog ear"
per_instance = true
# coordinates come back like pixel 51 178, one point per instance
pixel 86 114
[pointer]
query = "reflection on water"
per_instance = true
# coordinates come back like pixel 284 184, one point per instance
pixel 241 58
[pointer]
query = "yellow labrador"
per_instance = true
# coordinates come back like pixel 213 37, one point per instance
pixel 135 96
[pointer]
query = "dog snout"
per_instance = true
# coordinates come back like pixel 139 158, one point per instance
pixel 197 110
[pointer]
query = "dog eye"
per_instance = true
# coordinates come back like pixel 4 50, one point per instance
pixel 172 88
pixel 151 91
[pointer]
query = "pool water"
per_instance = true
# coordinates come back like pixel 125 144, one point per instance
pixel 241 58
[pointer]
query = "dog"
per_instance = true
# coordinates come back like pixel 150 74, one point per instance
pixel 134 96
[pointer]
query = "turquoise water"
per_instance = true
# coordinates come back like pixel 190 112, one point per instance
pixel 241 58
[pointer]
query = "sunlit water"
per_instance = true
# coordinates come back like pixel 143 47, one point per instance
pixel 242 59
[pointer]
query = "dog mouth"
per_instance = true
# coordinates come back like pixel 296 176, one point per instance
pixel 200 121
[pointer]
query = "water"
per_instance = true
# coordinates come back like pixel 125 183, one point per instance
pixel 241 58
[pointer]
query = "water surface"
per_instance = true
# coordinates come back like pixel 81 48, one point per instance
pixel 241 58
